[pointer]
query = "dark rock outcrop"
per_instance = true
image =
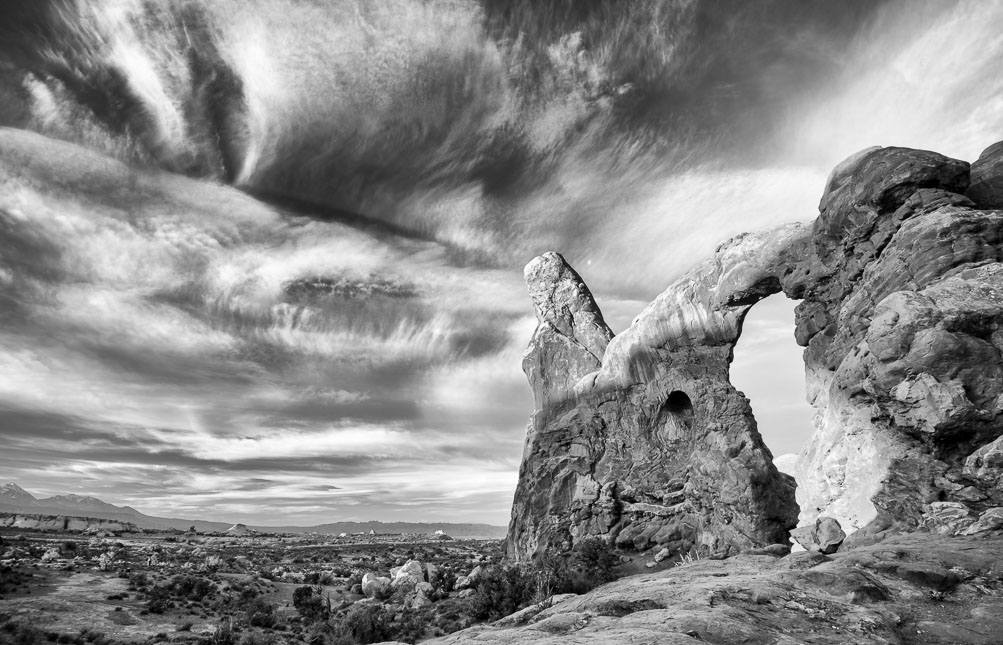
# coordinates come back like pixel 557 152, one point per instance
pixel 642 439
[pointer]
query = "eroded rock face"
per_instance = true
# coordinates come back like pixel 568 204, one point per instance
pixel 651 446
pixel 986 188
pixel 903 300
pixel 641 438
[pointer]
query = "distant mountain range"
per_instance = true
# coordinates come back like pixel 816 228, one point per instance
pixel 14 499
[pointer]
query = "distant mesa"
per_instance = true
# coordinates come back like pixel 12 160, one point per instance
pixel 642 440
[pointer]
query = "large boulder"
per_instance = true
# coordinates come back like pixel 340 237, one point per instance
pixel 470 580
pixel 408 576
pixel 374 586
pixel 824 536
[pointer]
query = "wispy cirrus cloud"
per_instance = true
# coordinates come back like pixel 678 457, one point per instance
pixel 243 359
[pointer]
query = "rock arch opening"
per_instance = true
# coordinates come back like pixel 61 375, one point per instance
pixel 768 367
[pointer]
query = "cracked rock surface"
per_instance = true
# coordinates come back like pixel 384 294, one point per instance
pixel 919 588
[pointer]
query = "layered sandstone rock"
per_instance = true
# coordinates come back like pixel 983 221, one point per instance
pixel 903 299
pixel 652 446
pixel 39 522
pixel 642 439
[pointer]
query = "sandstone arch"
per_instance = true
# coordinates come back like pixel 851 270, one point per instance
pixel 901 283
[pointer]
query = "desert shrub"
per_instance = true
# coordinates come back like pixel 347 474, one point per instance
pixel 311 605
pixel 368 623
pixel 443 579
pixel 451 615
pixel 70 546
pixel 139 580
pixel 222 635
pixel 17 632
pixel 260 613
pixel 596 556
pixel 192 587
pixel 158 599
pixel 502 591
pixel 252 638
pixel 589 565
pixel 318 578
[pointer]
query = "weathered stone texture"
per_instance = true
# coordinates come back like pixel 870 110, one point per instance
pixel 824 536
pixel 641 438
pixel 901 309
pixel 656 448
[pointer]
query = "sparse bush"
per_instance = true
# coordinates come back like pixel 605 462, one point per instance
pixel 16 632
pixel 373 623
pixel 443 579
pixel 252 638
pixel 589 565
pixel 158 599
pixel 367 623
pixel 192 587
pixel 260 613
pixel 318 578
pixel 222 635
pixel 311 604
pixel 139 580
pixel 501 592
pixel 597 557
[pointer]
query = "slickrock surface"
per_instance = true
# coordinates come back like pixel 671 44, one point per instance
pixel 908 589
pixel 902 302
pixel 901 287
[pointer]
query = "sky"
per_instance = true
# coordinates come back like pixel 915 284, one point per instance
pixel 271 272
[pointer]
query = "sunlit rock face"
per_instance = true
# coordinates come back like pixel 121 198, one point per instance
pixel 902 303
pixel 652 446
pixel 903 299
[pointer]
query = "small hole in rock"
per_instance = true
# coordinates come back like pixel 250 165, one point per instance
pixel 678 402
